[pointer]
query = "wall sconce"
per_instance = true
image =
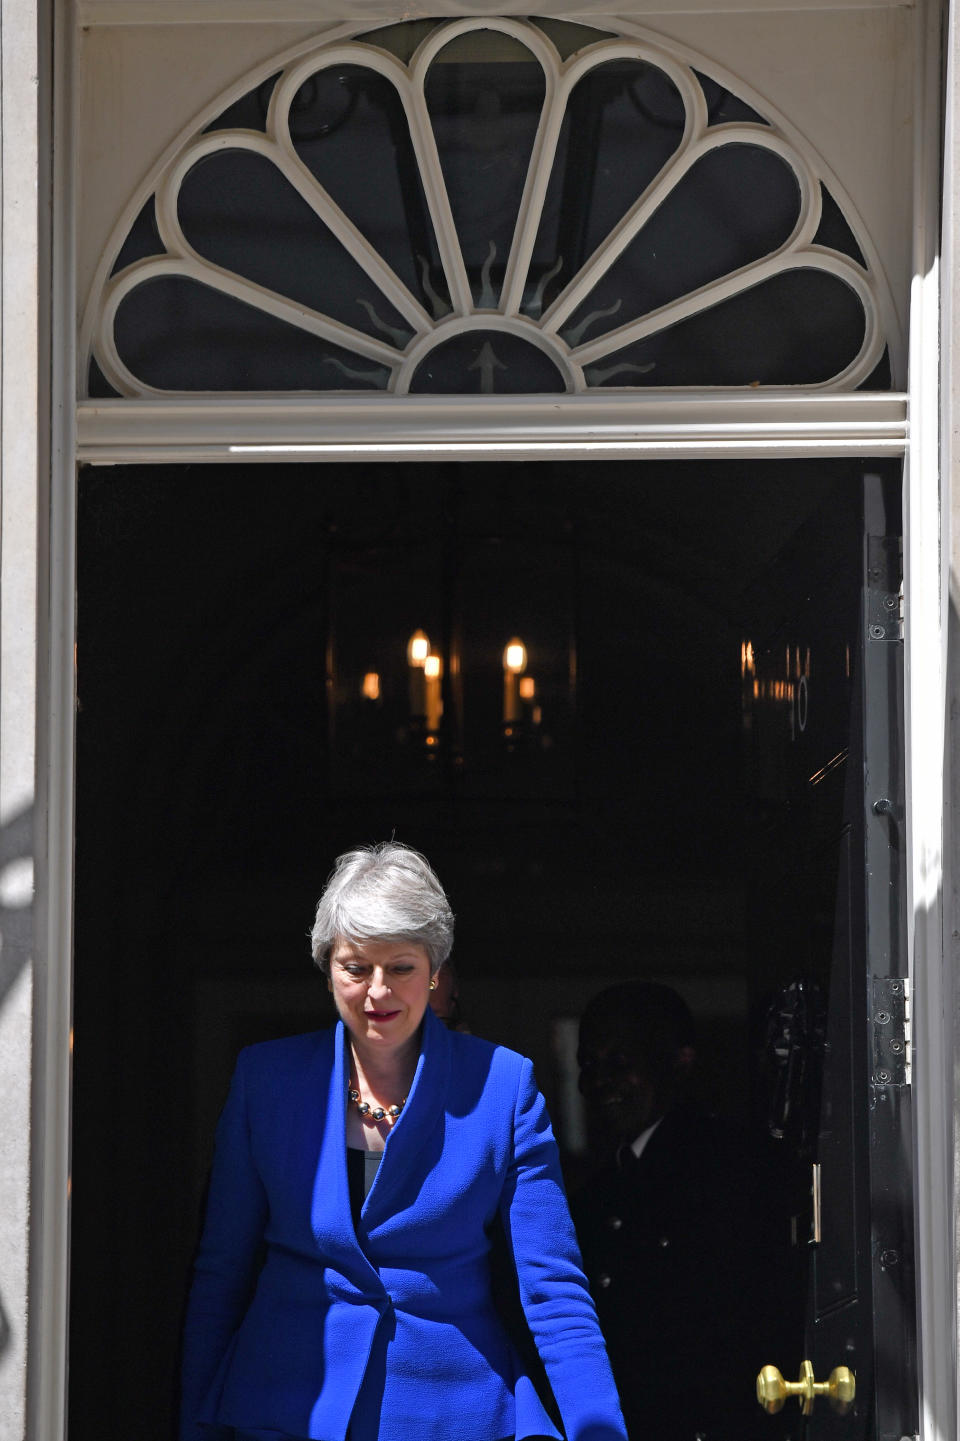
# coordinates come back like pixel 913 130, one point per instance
pixel 426 698
pixel 426 689
pixel 521 712
pixel 456 677
pixel 514 663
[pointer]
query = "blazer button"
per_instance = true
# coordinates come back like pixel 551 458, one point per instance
pixel 614 1223
pixel 664 1241
pixel 603 1280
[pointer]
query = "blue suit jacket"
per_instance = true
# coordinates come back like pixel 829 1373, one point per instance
pixel 302 1324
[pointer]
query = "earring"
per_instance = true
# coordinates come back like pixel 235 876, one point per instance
pixel 433 983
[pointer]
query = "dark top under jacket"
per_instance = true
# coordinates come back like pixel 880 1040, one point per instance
pixel 362 1167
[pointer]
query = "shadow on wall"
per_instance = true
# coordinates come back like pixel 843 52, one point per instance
pixel 16 929
pixel 938 914
pixel 16 898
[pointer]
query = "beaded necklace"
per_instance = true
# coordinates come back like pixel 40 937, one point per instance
pixel 375 1113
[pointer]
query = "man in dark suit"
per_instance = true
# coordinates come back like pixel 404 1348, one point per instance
pixel 667 1225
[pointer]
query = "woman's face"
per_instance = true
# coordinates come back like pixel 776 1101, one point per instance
pixel 381 989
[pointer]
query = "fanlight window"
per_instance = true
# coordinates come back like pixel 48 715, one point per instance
pixel 492 207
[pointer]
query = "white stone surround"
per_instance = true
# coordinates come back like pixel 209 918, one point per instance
pixel 18 635
pixel 36 560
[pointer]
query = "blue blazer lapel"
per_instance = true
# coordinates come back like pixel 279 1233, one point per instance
pixel 417 1122
pixel 330 1215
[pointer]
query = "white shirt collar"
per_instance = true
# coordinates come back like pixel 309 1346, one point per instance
pixel 637 1146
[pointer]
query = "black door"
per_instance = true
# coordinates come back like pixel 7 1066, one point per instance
pixel 822 687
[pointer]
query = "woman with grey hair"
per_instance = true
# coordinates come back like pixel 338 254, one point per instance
pixel 342 1284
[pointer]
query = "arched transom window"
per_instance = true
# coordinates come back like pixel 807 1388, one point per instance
pixel 486 207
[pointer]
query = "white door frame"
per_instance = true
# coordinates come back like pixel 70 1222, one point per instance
pixel 928 520
pixel 709 424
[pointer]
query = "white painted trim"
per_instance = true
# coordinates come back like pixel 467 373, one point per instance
pixel 802 425
pixel 607 425
pixel 573 355
pixel 21 990
pixel 925 679
pixel 487 322
pixel 51 1127
pixel 948 1017
pixel 428 159
pixel 237 12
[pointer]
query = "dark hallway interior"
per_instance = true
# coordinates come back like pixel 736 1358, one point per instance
pixel 612 824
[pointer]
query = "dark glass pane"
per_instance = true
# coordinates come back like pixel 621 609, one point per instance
pixel 723 107
pixel 238 210
pixel 833 230
pixel 98 386
pixel 487 362
pixel 176 334
pixel 143 239
pixel 623 122
pixel 401 40
pixel 247 113
pixel 484 92
pixel 349 128
pixel 880 378
pixel 569 37
pixel 735 205
pixel 796 329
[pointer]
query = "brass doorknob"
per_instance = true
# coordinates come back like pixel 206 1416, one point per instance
pixel 840 1390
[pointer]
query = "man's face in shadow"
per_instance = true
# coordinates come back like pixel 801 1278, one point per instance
pixel 629 1075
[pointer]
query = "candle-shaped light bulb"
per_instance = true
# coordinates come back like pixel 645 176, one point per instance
pixel 418 648
pixel 371 685
pixel 515 656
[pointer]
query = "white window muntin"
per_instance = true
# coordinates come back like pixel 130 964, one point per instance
pixel 108 292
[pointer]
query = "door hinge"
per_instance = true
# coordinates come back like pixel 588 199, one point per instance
pixel 892 1031
pixel 884 588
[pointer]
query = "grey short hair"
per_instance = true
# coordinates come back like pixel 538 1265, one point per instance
pixel 383 892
